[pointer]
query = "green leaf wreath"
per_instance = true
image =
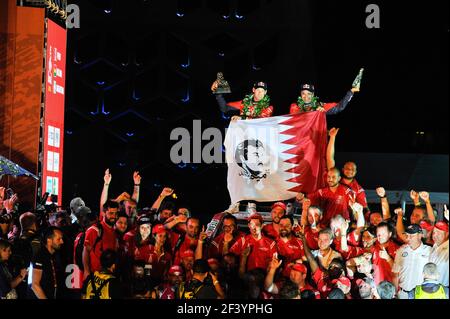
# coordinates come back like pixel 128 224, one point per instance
pixel 258 106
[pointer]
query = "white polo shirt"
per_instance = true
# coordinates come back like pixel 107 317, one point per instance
pixel 409 265
pixel 439 256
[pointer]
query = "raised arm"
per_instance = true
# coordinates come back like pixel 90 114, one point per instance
pixel 107 180
pixel 425 196
pixel 165 192
pixel 400 228
pixel 137 186
pixel 330 148
pixel 311 260
pixel 381 192
pixel 305 206
pixel 335 108
pixel 268 281
pixel 200 243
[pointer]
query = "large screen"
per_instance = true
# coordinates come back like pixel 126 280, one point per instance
pixel 55 78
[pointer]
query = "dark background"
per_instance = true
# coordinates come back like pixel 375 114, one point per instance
pixel 138 69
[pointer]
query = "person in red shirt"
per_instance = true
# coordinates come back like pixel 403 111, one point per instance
pixel 220 245
pixel 167 289
pixel 308 102
pixel 185 241
pixel 290 248
pixel 255 105
pixel 99 238
pixel 310 222
pixel 334 200
pixel 349 172
pixel 187 263
pixel 160 258
pixel 272 230
pixel 262 248
pixel 138 242
pixel 297 274
pixel 383 254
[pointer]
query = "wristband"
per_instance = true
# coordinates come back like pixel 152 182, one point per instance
pixel 137 184
pixel 106 184
pixel 215 282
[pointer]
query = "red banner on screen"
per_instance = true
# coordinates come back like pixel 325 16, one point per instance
pixel 55 79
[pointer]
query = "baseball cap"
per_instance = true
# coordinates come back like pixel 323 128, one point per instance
pixel 260 84
pixel 413 229
pixel 279 204
pixel 308 87
pixel 299 267
pixel 159 229
pixel 144 220
pixel 426 225
pixel 176 270
pixel 187 253
pixel 213 261
pixel 255 216
pixel 442 226
pixel 343 280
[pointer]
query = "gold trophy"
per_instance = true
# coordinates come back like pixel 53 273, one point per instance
pixel 223 87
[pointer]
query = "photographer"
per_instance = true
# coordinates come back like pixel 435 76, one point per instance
pixel 203 285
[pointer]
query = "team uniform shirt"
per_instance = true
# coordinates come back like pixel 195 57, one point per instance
pixel 160 264
pixel 261 254
pixel 439 256
pixel 239 105
pixel 351 242
pixel 166 291
pixel 326 260
pixel 359 192
pixel 51 272
pixel 381 268
pixel 108 241
pixel 216 245
pixel 323 282
pixel 187 244
pixel 331 108
pixel 409 265
pixel 291 250
pixel 312 238
pixel 269 231
pixel 332 203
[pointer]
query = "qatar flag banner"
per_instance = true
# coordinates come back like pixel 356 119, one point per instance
pixel 275 158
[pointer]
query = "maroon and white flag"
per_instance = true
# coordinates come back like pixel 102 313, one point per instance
pixel 274 158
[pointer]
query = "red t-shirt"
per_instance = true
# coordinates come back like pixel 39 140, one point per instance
pixel 381 268
pixel 322 282
pixel 332 203
pixel 359 191
pixel 296 109
pixel 312 238
pixel 269 231
pixel 108 241
pixel 291 250
pixel 261 253
pixel 160 265
pixel 187 244
pixel 216 246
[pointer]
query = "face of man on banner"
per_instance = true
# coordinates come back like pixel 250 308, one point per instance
pixel 252 157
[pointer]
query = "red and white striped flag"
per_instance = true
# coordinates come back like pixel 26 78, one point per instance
pixel 274 158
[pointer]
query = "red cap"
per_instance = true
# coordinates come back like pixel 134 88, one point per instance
pixel 213 261
pixel 255 216
pixel 159 229
pixel 425 225
pixel 279 204
pixel 175 270
pixel 442 226
pixel 343 280
pixel 187 253
pixel 299 267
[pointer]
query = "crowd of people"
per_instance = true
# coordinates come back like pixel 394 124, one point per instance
pixel 339 247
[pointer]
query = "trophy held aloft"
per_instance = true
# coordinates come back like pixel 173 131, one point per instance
pixel 222 85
